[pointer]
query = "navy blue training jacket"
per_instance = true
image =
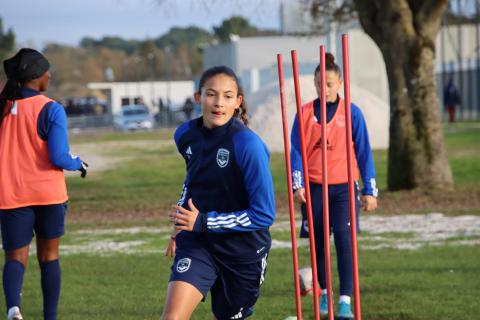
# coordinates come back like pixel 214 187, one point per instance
pixel 229 181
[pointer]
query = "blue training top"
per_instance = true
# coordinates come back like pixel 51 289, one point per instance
pixel 361 144
pixel 52 127
pixel 228 179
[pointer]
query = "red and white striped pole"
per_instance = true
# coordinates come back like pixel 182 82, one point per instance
pixel 351 192
pixel 291 205
pixel 311 234
pixel 326 211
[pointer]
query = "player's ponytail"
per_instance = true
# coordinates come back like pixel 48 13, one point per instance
pixel 242 111
pixel 10 93
pixel 330 65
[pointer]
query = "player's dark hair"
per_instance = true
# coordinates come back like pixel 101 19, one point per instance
pixel 242 111
pixel 10 93
pixel 27 64
pixel 330 65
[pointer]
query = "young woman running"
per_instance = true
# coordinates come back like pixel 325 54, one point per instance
pixel 221 238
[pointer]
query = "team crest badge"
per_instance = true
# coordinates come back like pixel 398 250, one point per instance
pixel 223 156
pixel 183 265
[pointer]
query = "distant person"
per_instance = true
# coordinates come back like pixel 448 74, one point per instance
pixel 70 107
pixel 160 115
pixel 337 178
pixel 34 151
pixel 197 109
pixel 161 105
pixel 169 111
pixel 451 99
pixel 188 109
pixel 222 246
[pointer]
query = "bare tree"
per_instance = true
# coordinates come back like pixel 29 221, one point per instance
pixel 405 31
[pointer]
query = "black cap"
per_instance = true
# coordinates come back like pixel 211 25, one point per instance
pixel 27 64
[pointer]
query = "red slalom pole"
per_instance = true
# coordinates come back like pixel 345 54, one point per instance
pixel 351 192
pixel 291 205
pixel 311 233
pixel 326 211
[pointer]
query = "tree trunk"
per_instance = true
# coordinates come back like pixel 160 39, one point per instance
pixel 405 32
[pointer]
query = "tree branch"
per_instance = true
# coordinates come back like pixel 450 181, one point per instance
pixel 427 14
pixel 368 11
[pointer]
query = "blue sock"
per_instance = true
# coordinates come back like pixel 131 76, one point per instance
pixel 51 281
pixel 13 271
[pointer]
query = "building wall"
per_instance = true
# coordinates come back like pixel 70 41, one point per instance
pixel 149 91
pixel 256 61
pixel 367 67
pixel 220 54
pixel 456 43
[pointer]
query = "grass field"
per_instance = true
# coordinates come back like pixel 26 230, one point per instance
pixel 413 264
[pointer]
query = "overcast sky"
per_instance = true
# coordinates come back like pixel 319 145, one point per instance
pixel 37 22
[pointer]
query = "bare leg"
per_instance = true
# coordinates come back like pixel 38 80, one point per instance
pixel 47 249
pixel 182 299
pixel 20 255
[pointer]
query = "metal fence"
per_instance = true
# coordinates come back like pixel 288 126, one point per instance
pixel 466 78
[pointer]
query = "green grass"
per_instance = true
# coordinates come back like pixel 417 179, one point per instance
pixel 110 274
pixel 431 283
pixel 151 181
pixel 96 136
pixel 463 147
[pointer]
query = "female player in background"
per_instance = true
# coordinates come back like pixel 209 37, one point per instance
pixel 34 151
pixel 337 178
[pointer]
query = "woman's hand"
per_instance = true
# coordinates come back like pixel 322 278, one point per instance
pixel 184 219
pixel 299 195
pixel 368 203
pixel 172 246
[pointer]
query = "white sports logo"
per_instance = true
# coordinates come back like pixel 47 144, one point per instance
pixel 239 315
pixel 183 265
pixel 305 225
pixel 188 153
pixel 264 268
pixel 223 156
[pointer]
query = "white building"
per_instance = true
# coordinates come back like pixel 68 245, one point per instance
pixel 147 92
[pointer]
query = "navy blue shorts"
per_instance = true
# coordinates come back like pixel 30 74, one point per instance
pixel 339 209
pixel 20 224
pixel 234 287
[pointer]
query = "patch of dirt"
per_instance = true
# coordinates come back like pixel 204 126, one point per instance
pixel 99 156
pixel 466 201
pixel 418 201
pixel 104 218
